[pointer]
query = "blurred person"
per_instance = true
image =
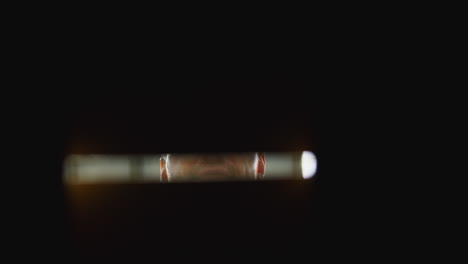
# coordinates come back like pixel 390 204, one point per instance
pixel 212 167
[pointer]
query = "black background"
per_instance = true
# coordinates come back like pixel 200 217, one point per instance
pixel 85 87
pixel 95 99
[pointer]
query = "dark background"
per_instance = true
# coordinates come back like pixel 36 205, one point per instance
pixel 81 85
pixel 96 102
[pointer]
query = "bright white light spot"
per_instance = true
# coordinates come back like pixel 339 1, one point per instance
pixel 309 164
